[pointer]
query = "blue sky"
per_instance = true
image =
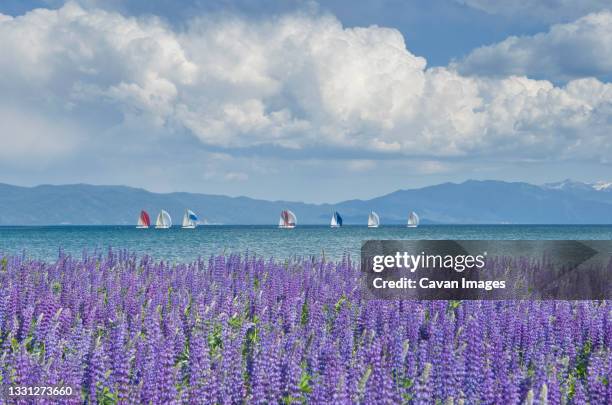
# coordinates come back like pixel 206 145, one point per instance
pixel 298 100
pixel 440 30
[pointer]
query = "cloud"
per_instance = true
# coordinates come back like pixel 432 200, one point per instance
pixel 236 176
pixel 34 141
pixel 360 165
pixel 582 48
pixel 549 10
pixel 299 82
pixel 432 167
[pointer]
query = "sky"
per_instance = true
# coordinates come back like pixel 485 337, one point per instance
pixel 299 100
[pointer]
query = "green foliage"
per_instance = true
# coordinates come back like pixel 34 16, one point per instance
pixel 14 345
pixel 305 313
pixel 453 304
pixel 107 397
pixel 406 384
pixel 187 310
pixel 304 386
pixel 305 380
pixel 364 378
pixel 531 370
pixel 57 288
pixel 252 334
pixel 582 360
pixel 170 296
pixel 215 340
pixel 235 322
pixel 580 371
pixel 182 363
pixel 28 343
pixel 338 304
pixel 102 290
pixel 288 399
pixel 571 386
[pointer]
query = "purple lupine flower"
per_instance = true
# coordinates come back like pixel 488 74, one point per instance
pixel 243 329
pixel 554 392
pixel 259 383
pixel 596 387
pixel 474 361
pixel 202 382
pixel 423 394
pixel 22 373
pixel 119 361
pixel 96 372
pixel 580 397
pixel 231 367
pixel 608 374
pixel 444 364
pixel 291 371
pixel 488 388
pixel 165 378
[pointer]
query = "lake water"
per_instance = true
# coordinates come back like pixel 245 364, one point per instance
pixel 178 244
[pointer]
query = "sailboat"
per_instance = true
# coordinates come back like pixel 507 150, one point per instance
pixel 413 220
pixel 190 220
pixel 163 220
pixel 143 220
pixel 373 220
pixel 288 220
pixel 336 220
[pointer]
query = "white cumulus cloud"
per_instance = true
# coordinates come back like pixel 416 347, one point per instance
pixel 582 48
pixel 298 82
pixel 547 10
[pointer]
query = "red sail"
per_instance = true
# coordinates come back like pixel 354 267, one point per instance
pixel 144 217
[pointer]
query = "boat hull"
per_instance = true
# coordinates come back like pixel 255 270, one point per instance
pixel 188 227
pixel 142 227
pixel 411 226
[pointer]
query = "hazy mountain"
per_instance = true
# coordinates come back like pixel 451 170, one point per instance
pixel 469 202
pixel 600 191
pixel 487 202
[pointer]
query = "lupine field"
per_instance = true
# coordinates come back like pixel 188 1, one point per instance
pixel 234 329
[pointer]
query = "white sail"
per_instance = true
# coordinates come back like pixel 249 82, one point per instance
pixel 373 220
pixel 190 220
pixel 413 220
pixel 336 220
pixel 163 220
pixel 287 220
pixel 292 219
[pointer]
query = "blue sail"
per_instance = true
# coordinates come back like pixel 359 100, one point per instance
pixel 338 218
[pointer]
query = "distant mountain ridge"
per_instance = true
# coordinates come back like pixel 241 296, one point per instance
pixel 470 202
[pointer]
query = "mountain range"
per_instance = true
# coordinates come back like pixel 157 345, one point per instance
pixel 470 202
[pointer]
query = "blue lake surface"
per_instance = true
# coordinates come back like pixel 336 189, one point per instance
pixel 178 244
